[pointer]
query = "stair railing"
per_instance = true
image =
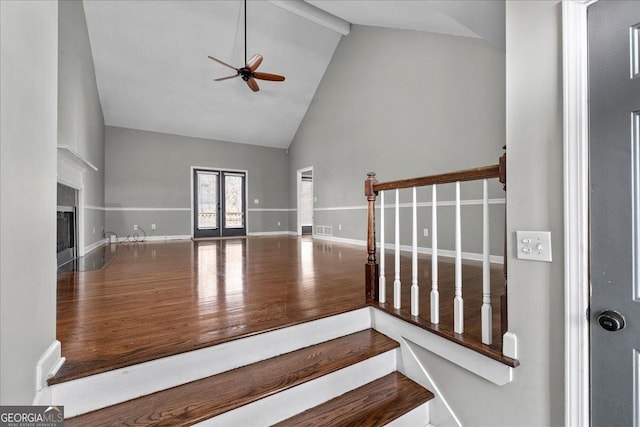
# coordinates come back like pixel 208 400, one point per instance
pixel 375 275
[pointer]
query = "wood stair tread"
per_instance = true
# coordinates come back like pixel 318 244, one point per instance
pixel 374 404
pixel 203 399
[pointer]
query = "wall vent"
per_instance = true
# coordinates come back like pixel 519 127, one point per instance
pixel 324 230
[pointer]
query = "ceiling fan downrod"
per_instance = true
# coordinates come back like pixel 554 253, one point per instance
pixel 248 73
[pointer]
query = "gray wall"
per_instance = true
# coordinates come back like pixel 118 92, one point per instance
pixel 80 119
pixel 28 83
pixel 153 171
pixel 534 141
pixel 402 104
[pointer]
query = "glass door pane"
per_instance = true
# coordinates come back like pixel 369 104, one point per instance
pixel 207 200
pixel 233 200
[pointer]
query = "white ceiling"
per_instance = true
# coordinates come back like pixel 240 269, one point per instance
pixel 153 72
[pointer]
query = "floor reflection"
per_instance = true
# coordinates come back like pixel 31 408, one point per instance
pixel 207 256
pixel 306 259
pixel 221 270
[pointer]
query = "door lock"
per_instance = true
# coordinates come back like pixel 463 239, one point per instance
pixel 611 320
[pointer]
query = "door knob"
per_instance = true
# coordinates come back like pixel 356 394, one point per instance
pixel 611 320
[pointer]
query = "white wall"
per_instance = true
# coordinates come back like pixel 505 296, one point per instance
pixel 403 104
pixel 28 114
pixel 153 170
pixel 80 119
pixel 534 180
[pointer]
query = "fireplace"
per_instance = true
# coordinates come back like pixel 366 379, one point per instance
pixel 66 221
pixel 66 241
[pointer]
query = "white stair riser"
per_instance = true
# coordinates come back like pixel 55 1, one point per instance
pixel 109 388
pixel 419 417
pixel 288 403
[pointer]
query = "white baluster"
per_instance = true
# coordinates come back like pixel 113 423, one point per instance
pixel 396 282
pixel 414 261
pixel 435 294
pixel 382 287
pixel 458 303
pixel 487 326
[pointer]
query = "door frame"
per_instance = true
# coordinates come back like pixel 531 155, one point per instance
pixel 299 196
pixel 218 169
pixel 576 212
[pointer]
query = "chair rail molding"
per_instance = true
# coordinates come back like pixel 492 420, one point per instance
pixel 576 208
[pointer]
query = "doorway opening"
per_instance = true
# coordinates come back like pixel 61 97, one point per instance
pixel 305 201
pixel 219 203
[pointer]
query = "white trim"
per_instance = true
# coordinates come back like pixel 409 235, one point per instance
pixel 272 233
pixel 95 208
pixel 474 362
pixel 470 202
pixel 470 256
pixel 315 14
pixel 95 245
pixel 439 404
pixel 47 366
pixel 576 209
pixel 271 210
pixel 73 156
pixel 141 209
pixel 510 345
pixel 143 239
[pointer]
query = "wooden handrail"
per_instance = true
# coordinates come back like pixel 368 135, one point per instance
pixel 371 189
pixel 485 172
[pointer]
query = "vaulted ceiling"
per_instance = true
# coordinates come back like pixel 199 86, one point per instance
pixel 153 73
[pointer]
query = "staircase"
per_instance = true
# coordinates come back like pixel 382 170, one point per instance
pixel 348 380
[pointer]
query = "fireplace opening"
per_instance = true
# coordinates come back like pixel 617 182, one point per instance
pixel 66 241
pixel 66 221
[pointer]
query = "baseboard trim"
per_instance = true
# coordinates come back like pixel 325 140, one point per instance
pixel 470 256
pixel 94 246
pixel 272 233
pixel 155 238
pixel 47 366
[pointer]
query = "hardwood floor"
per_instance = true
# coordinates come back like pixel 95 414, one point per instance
pixel 158 299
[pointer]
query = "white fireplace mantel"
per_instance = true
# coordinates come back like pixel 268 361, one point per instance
pixel 72 166
pixel 71 170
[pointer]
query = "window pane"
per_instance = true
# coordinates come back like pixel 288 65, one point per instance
pixel 307 202
pixel 233 217
pixel 207 201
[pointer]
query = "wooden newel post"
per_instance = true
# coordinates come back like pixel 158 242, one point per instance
pixel 504 315
pixel 371 267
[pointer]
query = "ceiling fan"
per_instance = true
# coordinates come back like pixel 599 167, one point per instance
pixel 248 72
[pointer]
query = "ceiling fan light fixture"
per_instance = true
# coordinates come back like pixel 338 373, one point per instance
pixel 248 72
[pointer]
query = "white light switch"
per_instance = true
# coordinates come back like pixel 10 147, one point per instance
pixel 534 245
pixel 256 201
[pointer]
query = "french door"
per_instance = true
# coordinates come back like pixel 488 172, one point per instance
pixel 219 207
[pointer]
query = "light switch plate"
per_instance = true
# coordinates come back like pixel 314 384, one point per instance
pixel 534 245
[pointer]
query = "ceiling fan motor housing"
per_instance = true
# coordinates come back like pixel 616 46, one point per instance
pixel 245 73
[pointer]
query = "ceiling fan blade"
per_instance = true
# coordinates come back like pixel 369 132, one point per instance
pixel 253 85
pixel 254 62
pixel 226 78
pixel 223 63
pixel 267 76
